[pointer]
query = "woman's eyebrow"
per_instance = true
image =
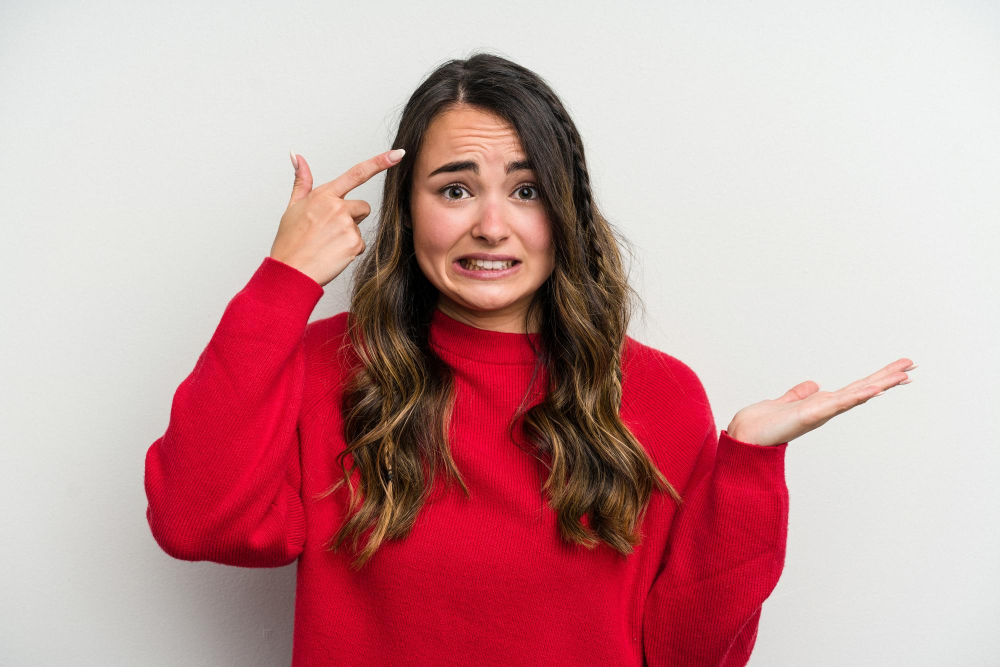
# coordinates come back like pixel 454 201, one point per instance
pixel 472 165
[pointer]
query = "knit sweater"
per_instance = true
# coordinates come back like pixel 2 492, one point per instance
pixel 487 580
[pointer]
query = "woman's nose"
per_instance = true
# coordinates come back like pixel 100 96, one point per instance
pixel 492 225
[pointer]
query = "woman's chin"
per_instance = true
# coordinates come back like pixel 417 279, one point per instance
pixel 485 305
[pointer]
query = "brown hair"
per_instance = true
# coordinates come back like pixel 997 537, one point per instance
pixel 397 405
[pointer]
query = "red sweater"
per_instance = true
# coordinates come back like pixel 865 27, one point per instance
pixel 252 438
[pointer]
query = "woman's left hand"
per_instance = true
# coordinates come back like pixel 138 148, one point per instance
pixel 804 407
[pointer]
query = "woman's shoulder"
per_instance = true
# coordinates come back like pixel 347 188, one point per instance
pixel 334 325
pixel 661 383
pixel 327 340
pixel 651 364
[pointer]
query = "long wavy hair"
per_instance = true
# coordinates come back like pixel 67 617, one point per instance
pixel 397 405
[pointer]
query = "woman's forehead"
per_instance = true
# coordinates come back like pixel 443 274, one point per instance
pixel 468 134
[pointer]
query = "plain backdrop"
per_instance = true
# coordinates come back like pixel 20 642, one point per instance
pixel 812 187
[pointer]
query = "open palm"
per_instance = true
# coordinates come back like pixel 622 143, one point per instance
pixel 804 407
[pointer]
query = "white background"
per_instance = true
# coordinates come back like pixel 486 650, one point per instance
pixel 813 189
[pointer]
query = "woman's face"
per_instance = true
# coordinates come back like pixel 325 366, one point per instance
pixel 474 195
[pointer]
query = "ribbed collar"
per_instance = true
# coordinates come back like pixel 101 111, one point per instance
pixel 483 345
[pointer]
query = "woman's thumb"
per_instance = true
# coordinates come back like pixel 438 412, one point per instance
pixel 303 178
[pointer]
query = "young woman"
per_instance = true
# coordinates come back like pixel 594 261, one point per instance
pixel 476 464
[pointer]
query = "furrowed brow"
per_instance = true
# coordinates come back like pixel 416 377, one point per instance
pixel 473 166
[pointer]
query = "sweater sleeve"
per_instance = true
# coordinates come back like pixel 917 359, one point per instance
pixel 724 556
pixel 222 483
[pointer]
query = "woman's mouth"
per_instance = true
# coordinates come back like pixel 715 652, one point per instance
pixel 486 270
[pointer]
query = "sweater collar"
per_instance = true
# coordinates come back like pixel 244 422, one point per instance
pixel 483 345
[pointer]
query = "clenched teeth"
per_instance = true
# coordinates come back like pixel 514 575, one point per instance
pixel 480 264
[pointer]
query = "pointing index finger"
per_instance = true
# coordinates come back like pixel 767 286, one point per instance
pixel 358 174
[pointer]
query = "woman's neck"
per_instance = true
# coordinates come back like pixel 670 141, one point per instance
pixel 506 320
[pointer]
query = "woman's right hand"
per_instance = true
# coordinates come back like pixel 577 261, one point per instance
pixel 318 233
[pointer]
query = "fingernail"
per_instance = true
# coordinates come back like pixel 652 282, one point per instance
pixel 295 161
pixel 880 393
pixel 906 382
pixel 396 154
pixel 910 368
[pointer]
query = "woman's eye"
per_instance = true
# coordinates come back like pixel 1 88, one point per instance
pixel 524 187
pixel 451 188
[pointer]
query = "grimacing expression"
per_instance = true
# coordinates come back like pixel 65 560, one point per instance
pixel 474 192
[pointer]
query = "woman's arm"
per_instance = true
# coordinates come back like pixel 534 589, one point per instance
pixel 223 482
pixel 724 556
